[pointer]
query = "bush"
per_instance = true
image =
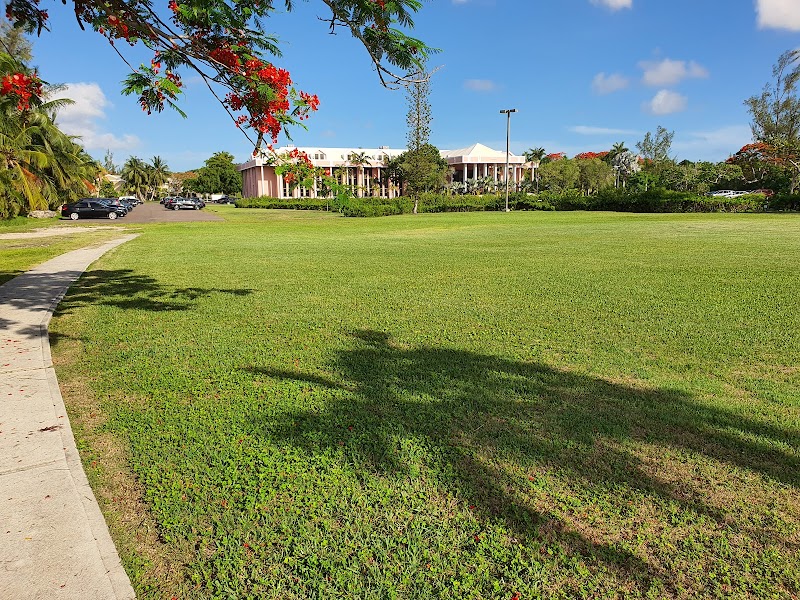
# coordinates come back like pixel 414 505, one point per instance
pixel 784 202
pixel 376 207
pixel 654 201
pixel 664 201
pixel 290 203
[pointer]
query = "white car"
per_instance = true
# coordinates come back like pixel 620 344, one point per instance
pixel 726 194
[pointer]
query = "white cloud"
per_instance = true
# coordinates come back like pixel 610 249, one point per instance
pixel 714 145
pixel 606 84
pixel 614 4
pixel 588 130
pixel 778 14
pixel 666 102
pixel 83 118
pixel 480 85
pixel 670 72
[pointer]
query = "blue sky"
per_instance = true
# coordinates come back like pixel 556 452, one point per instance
pixel 583 74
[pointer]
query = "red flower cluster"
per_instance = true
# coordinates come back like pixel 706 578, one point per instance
pixel 264 109
pixel 301 156
pixel 24 87
pixel 591 155
pixel 556 155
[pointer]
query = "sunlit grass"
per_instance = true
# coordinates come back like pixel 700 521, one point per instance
pixel 294 405
pixel 19 255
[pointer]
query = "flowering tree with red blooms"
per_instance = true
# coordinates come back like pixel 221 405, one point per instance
pixel 591 155
pixel 226 44
pixel 21 87
pixel 756 160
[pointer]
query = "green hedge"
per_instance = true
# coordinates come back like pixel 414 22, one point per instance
pixel 290 203
pixel 655 201
pixel 785 202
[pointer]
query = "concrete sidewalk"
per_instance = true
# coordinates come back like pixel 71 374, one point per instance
pixel 54 542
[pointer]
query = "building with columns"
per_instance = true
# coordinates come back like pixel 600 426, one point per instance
pixel 363 170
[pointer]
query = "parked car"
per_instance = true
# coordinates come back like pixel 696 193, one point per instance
pixel 728 194
pixel 132 200
pixel 184 203
pixel 89 208
pixel 121 208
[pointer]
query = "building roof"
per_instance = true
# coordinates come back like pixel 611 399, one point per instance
pixel 336 157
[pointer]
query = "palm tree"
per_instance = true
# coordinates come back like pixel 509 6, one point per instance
pixel 616 150
pixel 134 172
pixel 40 166
pixel 535 157
pixel 159 175
pixel 358 159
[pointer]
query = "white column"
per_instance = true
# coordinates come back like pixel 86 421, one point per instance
pixel 280 186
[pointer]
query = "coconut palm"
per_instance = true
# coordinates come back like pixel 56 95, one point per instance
pixel 158 174
pixel 135 174
pixel 535 156
pixel 616 150
pixel 358 159
pixel 40 166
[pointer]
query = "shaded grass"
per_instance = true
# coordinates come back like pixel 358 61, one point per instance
pixel 470 406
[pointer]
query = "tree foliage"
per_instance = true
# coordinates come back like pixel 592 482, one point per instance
pixel 421 170
pixel 559 175
pixel 655 148
pixel 776 116
pixel 40 166
pixel 14 43
pixel 219 175
pixel 594 174
pixel 226 43
pixel 418 118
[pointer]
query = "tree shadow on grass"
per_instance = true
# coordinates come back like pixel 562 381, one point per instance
pixel 477 414
pixel 122 288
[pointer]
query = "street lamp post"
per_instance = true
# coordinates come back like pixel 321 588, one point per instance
pixel 507 112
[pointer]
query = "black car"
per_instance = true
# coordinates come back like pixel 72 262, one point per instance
pixel 120 207
pixel 89 208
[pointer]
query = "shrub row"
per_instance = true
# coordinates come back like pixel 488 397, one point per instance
pixel 290 203
pixel 662 201
pixel 656 201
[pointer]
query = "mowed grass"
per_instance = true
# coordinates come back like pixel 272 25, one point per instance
pixel 294 405
pixel 21 254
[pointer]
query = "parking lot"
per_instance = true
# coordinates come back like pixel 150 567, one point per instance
pixel 153 212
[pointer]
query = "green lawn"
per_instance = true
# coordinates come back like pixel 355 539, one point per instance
pixel 19 255
pixel 556 405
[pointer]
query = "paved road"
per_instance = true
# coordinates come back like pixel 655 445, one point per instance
pixel 54 543
pixel 153 212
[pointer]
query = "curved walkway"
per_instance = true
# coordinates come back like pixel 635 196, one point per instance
pixel 54 542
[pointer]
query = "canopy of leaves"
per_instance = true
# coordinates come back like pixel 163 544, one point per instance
pixel 418 118
pixel 656 147
pixel 559 175
pixel 776 116
pixel 226 44
pixel 40 166
pixel 218 176
pixel 423 169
